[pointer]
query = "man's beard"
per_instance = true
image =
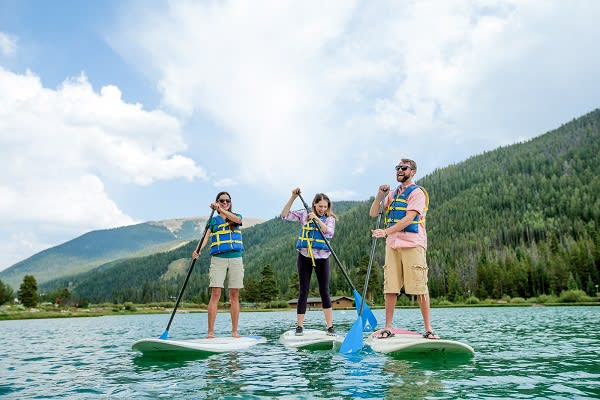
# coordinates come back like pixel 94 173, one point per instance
pixel 403 178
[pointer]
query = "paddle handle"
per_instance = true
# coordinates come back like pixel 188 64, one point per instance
pixel 371 256
pixel 189 273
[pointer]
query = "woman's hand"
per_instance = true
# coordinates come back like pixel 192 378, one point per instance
pixel 379 233
pixel 195 254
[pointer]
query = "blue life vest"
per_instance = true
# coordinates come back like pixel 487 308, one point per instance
pixel 397 209
pixel 225 238
pixel 310 233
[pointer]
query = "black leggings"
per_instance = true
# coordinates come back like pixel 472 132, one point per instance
pixel 305 269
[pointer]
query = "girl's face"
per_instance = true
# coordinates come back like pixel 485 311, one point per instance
pixel 224 202
pixel 321 207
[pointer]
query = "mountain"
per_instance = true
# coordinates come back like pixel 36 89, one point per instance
pixel 159 276
pixel 519 221
pixel 95 248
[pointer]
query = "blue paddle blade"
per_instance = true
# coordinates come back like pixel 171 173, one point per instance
pixel 165 335
pixel 368 318
pixel 353 342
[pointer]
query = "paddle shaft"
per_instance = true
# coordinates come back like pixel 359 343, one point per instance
pixel 337 260
pixel 189 273
pixel 373 245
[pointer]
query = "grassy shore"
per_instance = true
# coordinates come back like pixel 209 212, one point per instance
pixel 51 311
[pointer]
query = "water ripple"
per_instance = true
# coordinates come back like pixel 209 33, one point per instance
pixel 542 352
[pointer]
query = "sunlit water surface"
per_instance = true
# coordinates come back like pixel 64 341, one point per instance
pixel 527 353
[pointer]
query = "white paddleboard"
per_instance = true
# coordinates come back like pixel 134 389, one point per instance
pixel 311 339
pixel 196 346
pixel 406 342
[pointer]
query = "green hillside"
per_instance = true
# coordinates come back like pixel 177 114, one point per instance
pixel 519 221
pixel 146 278
pixel 95 248
pixel 88 251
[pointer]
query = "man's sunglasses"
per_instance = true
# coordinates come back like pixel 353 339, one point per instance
pixel 402 167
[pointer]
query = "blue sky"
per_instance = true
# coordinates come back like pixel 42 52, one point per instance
pixel 117 112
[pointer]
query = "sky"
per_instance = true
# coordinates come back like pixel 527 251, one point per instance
pixel 118 112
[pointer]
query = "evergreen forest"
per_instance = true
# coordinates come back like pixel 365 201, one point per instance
pixel 518 221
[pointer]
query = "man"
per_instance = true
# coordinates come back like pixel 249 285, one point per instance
pixel 406 244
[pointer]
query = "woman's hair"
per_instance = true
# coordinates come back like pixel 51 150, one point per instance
pixel 318 198
pixel 231 223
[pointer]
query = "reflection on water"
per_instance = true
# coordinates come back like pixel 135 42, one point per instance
pixel 146 363
pixel 410 382
pixel 92 357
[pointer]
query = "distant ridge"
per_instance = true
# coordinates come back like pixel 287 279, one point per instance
pixel 92 249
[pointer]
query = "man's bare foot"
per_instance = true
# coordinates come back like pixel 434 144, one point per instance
pixel 210 336
pixel 235 335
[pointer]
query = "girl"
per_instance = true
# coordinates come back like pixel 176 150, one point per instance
pixel 313 253
pixel 226 250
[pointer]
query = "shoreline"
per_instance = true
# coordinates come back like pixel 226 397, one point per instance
pixel 11 315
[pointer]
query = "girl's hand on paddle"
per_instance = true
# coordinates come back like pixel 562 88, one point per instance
pixel 295 192
pixel 311 216
pixel 195 255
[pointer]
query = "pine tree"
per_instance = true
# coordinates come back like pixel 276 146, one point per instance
pixel 268 285
pixel 6 293
pixel 252 291
pixel 294 286
pixel 28 295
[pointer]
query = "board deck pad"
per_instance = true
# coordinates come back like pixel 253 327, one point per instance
pixel 199 346
pixel 311 339
pixel 405 342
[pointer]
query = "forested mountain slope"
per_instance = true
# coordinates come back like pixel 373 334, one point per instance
pixel 88 251
pixel 159 276
pixel 521 220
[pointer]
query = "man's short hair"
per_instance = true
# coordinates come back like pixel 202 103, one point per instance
pixel 411 163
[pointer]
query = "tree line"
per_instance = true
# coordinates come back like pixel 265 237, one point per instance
pixel 518 221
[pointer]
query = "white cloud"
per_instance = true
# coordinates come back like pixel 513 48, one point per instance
pixel 316 95
pixel 257 69
pixel 293 84
pixel 8 44
pixel 59 147
pixel 225 182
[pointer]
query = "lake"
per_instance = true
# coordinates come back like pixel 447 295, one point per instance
pixel 521 352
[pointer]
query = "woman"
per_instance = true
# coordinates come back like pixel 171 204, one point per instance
pixel 226 250
pixel 313 253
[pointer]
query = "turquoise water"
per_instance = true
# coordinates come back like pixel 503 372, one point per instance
pixel 527 353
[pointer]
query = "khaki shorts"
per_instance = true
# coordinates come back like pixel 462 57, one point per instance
pixel 219 267
pixel 405 267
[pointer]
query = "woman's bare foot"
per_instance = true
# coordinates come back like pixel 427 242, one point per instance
pixel 235 335
pixel 210 336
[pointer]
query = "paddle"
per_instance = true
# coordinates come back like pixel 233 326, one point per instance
pixel 353 341
pixel 165 334
pixel 370 322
